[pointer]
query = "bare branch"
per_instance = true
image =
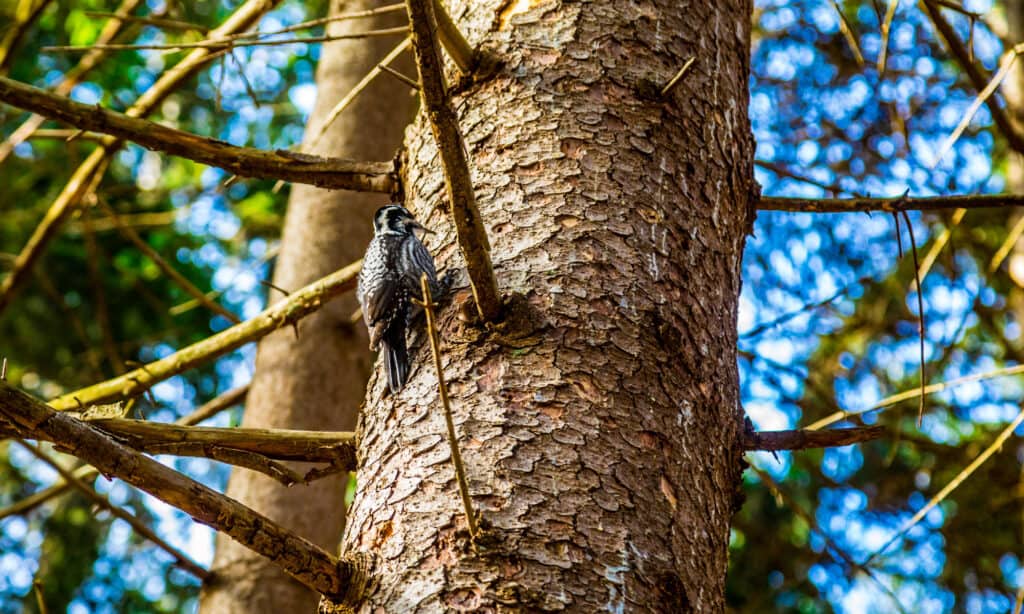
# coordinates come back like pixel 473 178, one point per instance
pixel 890 205
pixel 952 485
pixel 301 559
pixel 26 13
pixel 453 41
pixel 805 439
pixel 678 77
pixel 204 412
pixel 978 80
pixel 95 164
pixel 71 78
pixel 140 527
pixel 278 444
pixel 227 44
pixel 906 395
pixel 445 126
pixel 243 161
pixel 356 90
pixel 296 306
pixel 214 406
pixel 154 257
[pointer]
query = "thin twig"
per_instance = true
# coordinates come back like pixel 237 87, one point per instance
pixel 444 124
pixel 159 22
pixel 920 316
pixel 940 242
pixel 70 78
pixel 172 273
pixel 832 547
pixel 300 304
pixel 311 565
pixel 99 294
pixel 678 77
pixel 3 370
pixel 355 91
pixel 244 161
pixel 1005 65
pixel 394 73
pixel 851 38
pixel 140 527
pixel 782 171
pixel 952 485
pixel 914 393
pixel 37 588
pixel 453 440
pixel 70 196
pixel 963 56
pixel 890 13
pixel 1007 246
pixel 26 13
pixel 232 44
pixel 890 205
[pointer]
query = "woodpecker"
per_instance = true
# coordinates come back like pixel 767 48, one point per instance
pixel 395 261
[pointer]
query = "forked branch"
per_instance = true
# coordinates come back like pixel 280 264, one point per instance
pixel 301 559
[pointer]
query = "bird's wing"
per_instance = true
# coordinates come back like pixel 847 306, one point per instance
pixel 416 261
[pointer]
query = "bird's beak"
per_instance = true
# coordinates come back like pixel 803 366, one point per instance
pixel 416 224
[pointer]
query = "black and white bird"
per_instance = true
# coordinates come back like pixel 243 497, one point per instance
pixel 395 261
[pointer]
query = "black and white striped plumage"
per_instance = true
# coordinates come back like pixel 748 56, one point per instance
pixel 389 280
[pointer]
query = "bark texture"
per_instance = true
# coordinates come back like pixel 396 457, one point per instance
pixel 315 382
pixel 600 424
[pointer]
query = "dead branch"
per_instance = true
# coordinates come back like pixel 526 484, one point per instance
pixel 95 164
pixel 140 527
pixel 285 312
pixel 453 41
pixel 72 77
pixel 445 126
pixel 207 410
pixel 889 205
pixel 306 562
pixel 453 439
pixel 168 270
pixel 804 439
pixel 278 444
pixel 994 447
pixel 242 161
pixel 222 44
pixel 913 394
pixel 978 80
pixel 26 14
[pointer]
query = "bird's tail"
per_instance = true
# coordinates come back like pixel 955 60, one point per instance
pixel 396 358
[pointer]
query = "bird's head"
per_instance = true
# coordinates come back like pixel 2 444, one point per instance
pixel 396 219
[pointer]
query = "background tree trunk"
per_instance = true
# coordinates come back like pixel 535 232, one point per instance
pixel 600 423
pixel 315 381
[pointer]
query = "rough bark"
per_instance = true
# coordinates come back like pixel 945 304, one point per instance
pixel 600 424
pixel 315 381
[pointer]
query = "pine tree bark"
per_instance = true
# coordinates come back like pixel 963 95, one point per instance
pixel 600 422
pixel 315 381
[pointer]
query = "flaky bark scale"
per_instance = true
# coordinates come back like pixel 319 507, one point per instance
pixel 600 425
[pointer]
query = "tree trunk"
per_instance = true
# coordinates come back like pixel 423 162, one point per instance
pixel 315 381
pixel 600 423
